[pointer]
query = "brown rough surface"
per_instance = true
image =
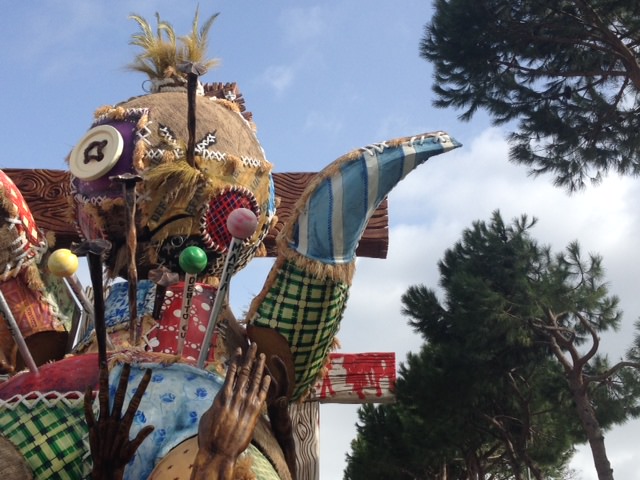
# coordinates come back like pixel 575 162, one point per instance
pixel 47 192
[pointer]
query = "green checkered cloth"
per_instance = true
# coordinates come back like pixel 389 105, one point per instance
pixel 50 437
pixel 261 467
pixel 307 312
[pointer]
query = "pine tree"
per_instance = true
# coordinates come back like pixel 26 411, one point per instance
pixel 566 71
pixel 490 391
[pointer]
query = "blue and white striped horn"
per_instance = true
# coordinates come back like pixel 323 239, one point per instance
pixel 306 292
pixel 335 209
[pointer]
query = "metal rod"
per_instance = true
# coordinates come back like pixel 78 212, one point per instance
pixel 192 83
pixel 85 317
pixel 225 279
pixel 17 335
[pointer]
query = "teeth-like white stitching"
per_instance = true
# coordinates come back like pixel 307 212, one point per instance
pixel 50 399
pixel 376 147
pixel 144 134
pixel 210 139
pixel 155 153
pixel 139 111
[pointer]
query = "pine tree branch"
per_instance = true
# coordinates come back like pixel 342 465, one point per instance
pixel 595 341
pixel 610 372
pixel 540 73
pixel 627 55
pixel 553 343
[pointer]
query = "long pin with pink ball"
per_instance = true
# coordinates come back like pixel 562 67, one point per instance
pixel 17 335
pixel 242 224
pixel 192 260
pixel 64 263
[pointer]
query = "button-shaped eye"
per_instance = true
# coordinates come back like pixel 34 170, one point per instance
pixel 96 153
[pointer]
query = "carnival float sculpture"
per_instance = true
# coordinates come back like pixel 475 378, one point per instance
pixel 171 193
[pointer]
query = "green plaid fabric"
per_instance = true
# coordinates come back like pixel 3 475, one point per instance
pixel 50 437
pixel 307 312
pixel 261 467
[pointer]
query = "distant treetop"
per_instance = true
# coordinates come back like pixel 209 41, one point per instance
pixel 567 71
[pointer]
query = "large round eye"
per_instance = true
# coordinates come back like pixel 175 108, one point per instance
pixel 96 153
pixel 213 224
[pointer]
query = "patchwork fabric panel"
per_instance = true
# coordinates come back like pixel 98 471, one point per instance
pixel 117 308
pixel 21 239
pixel 307 312
pixel 32 311
pixel 177 464
pixel 260 466
pixel 164 338
pixel 51 437
pixel 117 302
pixel 173 403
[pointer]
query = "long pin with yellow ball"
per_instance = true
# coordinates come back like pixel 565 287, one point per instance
pixel 241 224
pixel 192 260
pixel 64 263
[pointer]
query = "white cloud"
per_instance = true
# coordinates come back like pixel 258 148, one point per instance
pixel 301 25
pixel 428 212
pixel 58 28
pixel 279 77
pixel 301 30
pixel 322 124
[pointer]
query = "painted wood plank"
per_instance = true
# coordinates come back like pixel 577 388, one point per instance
pixel 358 378
pixel 305 418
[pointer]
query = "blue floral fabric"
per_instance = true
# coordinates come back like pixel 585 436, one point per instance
pixel 117 302
pixel 176 398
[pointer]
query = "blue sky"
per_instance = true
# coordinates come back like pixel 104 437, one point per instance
pixel 321 79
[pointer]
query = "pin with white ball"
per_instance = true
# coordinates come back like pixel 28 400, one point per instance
pixel 64 263
pixel 192 260
pixel 242 224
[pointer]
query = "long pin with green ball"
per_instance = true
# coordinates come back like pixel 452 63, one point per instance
pixel 192 260
pixel 242 224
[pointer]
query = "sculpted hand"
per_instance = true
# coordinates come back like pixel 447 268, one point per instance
pixel 226 429
pixel 111 448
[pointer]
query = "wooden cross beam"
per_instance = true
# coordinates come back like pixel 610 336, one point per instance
pixel 48 194
pixel 351 378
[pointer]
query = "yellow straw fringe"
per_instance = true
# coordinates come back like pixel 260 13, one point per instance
pixel 243 469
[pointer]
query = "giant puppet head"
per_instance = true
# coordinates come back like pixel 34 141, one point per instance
pixel 181 201
pixel 178 204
